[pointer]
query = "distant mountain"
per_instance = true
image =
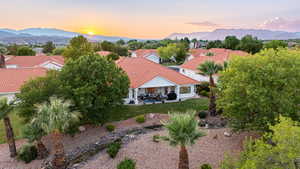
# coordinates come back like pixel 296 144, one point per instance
pixel 220 34
pixel 42 35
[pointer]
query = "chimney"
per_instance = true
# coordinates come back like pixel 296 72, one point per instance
pixel 2 61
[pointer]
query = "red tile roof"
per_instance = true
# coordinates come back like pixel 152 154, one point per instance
pixel 219 56
pixel 141 70
pixel 104 53
pixel 145 52
pixel 33 61
pixel 13 79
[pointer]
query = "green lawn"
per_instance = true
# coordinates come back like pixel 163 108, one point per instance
pixel 129 111
pixel 123 113
pixel 17 126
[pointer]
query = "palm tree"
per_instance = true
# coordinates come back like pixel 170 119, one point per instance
pixel 5 109
pixel 210 68
pixel 55 118
pixel 34 133
pixel 183 131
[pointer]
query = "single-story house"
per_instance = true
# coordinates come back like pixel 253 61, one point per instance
pixel 12 79
pixel 199 56
pixel 150 54
pixel 150 80
pixel 48 62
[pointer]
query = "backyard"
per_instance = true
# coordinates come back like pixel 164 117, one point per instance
pixel 123 113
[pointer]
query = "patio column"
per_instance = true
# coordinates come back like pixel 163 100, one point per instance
pixel 177 91
pixel 136 91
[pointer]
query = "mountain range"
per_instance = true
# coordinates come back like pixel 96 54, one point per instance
pixel 220 34
pixel 58 36
pixel 42 35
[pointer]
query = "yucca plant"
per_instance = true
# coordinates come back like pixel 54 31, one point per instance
pixel 5 109
pixel 210 68
pixel 55 118
pixel 183 131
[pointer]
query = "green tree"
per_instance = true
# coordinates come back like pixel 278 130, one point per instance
pixel 48 47
pixel 55 118
pixel 12 49
pixel 254 91
pixel 107 46
pixel 113 56
pixel 250 44
pixel 214 44
pixel 37 91
pixel 120 42
pixel 175 51
pixel 34 133
pixel 97 46
pixel 58 51
pixel 5 109
pixel 231 42
pixel 78 46
pixel 3 51
pixel 210 68
pixel 134 45
pixel 183 131
pixel 94 95
pixel 275 44
pixel 260 154
pixel 25 51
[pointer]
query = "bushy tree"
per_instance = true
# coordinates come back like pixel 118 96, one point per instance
pixel 113 56
pixel 183 131
pixel 275 44
pixel 255 90
pixel 118 49
pixel 48 47
pixel 120 42
pixel 174 51
pixel 260 154
pixel 210 68
pixel 55 118
pixel 214 44
pixel 25 51
pixel 5 109
pixel 37 91
pixel 78 46
pixel 250 44
pixel 231 42
pixel 58 51
pixel 12 49
pixel 94 84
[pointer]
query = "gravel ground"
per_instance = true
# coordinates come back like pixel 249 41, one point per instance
pixel 150 155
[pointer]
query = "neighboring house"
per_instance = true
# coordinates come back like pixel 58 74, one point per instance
pixel 149 78
pixel 12 79
pixel 103 53
pixel 199 56
pixel 150 54
pixel 48 62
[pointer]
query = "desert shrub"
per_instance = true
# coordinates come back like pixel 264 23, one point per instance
pixel 140 119
pixel 110 127
pixel 202 114
pixel 205 166
pixel 156 138
pixel 27 153
pixel 113 149
pixel 126 164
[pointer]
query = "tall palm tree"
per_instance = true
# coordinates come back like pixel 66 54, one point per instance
pixel 210 68
pixel 55 118
pixel 183 131
pixel 5 109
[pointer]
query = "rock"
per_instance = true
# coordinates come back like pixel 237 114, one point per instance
pixel 227 134
pixel 81 128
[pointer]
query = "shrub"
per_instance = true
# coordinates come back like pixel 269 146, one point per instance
pixel 126 164
pixel 27 153
pixel 110 127
pixel 205 166
pixel 202 88
pixel 113 149
pixel 202 114
pixel 204 93
pixel 156 138
pixel 140 119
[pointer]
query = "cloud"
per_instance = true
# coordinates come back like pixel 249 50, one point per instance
pixel 281 24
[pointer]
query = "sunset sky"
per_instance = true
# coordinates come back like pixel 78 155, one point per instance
pixel 150 18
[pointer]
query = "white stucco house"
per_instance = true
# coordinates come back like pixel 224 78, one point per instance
pixel 43 61
pixel 12 79
pixel 198 56
pixel 150 54
pixel 151 80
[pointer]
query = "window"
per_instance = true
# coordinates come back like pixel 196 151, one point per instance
pixel 185 90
